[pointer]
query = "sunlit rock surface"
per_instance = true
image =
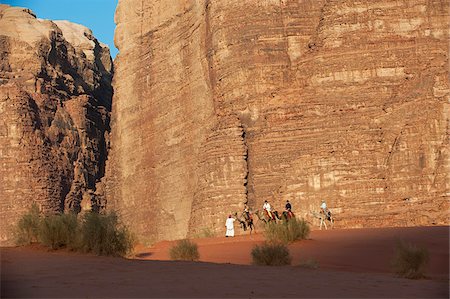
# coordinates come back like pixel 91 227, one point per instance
pixel 55 101
pixel 218 103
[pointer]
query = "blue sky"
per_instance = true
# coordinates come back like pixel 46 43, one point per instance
pixel 98 15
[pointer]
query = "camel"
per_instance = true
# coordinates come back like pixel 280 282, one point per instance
pixel 263 216
pixel 323 219
pixel 249 221
pixel 245 221
pixel 287 215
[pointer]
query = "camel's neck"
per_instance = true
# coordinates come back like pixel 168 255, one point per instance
pixel 237 217
pixel 259 215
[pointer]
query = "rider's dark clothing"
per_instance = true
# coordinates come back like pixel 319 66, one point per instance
pixel 288 207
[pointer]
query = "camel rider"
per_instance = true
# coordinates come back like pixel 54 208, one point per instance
pixel 288 208
pixel 325 210
pixel 247 212
pixel 266 207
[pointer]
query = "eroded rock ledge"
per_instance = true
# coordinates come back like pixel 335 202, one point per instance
pixel 55 103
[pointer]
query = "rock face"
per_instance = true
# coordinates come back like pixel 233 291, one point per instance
pixel 55 101
pixel 218 103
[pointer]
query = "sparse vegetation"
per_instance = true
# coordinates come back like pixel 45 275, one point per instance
pixel 410 260
pixel 102 235
pixel 309 264
pixel 97 233
pixel 270 254
pixel 207 233
pixel 58 231
pixel 184 250
pixel 28 226
pixel 204 232
pixel 286 231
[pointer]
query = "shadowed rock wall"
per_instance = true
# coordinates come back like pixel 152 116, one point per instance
pixel 55 101
pixel 218 103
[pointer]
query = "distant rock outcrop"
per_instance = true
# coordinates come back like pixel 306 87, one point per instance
pixel 221 103
pixel 55 102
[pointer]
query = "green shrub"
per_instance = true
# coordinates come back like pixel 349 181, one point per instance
pixel 57 231
pixel 270 254
pixel 410 260
pixel 286 231
pixel 184 250
pixel 102 235
pixel 27 230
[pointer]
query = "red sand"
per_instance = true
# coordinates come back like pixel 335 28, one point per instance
pixel 352 263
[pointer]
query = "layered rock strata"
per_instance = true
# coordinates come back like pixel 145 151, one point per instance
pixel 221 103
pixel 55 101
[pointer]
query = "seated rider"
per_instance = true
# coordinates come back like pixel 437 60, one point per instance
pixel 288 208
pixel 324 209
pixel 266 207
pixel 247 213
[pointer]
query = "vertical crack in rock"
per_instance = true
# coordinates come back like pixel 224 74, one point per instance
pixel 315 41
pixel 392 150
pixel 209 50
pixel 247 166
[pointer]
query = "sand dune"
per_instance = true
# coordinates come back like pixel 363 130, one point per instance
pixel 352 263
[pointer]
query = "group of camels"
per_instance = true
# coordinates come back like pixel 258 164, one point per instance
pixel 246 220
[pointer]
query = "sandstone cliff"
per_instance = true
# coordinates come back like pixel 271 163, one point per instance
pixel 218 103
pixel 55 101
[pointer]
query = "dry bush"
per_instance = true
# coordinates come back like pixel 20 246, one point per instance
pixel 205 232
pixel 97 233
pixel 269 254
pixel 184 250
pixel 27 230
pixel 286 231
pixel 58 231
pixel 410 260
pixel 309 264
pixel 103 235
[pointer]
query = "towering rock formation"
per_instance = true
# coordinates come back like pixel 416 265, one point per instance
pixel 218 103
pixel 55 101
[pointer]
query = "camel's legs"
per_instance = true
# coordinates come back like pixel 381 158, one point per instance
pixel 322 222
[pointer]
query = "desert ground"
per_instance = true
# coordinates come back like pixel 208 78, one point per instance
pixel 352 263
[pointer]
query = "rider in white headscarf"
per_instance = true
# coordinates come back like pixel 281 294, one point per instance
pixel 324 208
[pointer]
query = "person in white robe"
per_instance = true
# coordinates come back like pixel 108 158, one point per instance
pixel 229 224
